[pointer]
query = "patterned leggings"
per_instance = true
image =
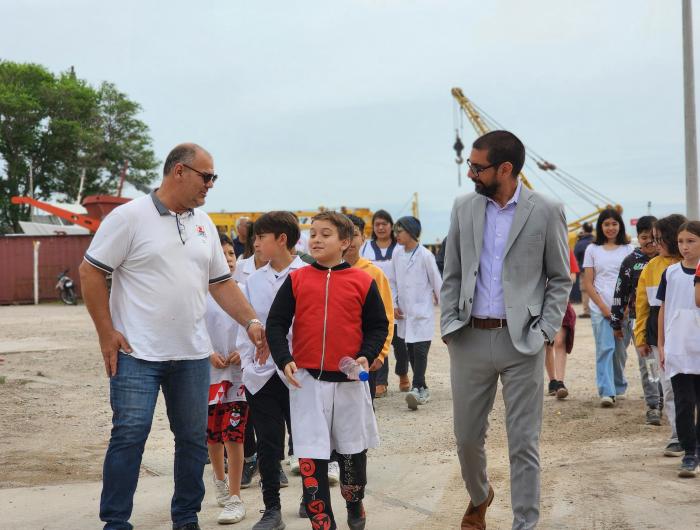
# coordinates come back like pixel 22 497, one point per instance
pixel 317 496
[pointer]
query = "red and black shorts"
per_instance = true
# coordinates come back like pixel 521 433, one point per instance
pixel 226 422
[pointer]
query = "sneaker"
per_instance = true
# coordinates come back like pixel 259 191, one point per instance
pixel 424 395
pixel 233 512
pixel 689 467
pixel 380 391
pixel 249 470
pixel 222 494
pixel 302 510
pixel 562 392
pixel 293 463
pixel 356 517
pixel 413 399
pixel 585 315
pixel 271 520
pixel 333 473
pixel 653 417
pixel 552 388
pixel 284 481
pixel 607 402
pixel 674 449
pixel 188 526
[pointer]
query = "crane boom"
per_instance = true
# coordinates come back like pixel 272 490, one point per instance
pixel 477 122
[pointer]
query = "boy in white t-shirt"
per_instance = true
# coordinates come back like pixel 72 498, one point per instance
pixel 228 410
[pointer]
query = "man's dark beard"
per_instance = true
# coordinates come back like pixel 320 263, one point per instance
pixel 487 191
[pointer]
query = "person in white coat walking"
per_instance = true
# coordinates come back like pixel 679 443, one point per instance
pixel 417 283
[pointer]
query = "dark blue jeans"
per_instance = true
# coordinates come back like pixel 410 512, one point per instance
pixel 133 395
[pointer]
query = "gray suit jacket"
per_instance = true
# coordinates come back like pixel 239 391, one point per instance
pixel 536 281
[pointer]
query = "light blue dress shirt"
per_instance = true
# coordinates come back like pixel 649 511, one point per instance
pixel 488 293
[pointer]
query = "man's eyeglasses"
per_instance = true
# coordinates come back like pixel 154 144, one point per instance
pixel 476 169
pixel 206 177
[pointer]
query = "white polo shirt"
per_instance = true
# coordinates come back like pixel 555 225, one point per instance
pixel 261 288
pixel 162 264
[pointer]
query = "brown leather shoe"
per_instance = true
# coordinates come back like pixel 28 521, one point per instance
pixel 475 516
pixel 404 383
pixel 380 391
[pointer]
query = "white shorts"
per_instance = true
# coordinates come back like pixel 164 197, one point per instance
pixel 328 416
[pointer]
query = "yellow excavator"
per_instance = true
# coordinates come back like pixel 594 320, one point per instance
pixel 483 123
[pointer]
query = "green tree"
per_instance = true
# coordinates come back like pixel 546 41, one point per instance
pixel 60 126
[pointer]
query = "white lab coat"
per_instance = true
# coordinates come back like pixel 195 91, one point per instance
pixel 415 279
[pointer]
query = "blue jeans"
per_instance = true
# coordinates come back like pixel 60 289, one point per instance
pixel 133 395
pixel 610 356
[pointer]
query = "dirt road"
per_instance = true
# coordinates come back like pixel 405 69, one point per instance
pixel 602 468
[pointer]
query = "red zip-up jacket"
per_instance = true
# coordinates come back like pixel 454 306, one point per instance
pixel 335 313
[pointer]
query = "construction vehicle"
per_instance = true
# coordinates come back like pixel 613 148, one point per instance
pixel 483 123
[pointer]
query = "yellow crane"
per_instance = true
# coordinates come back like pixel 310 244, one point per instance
pixel 479 121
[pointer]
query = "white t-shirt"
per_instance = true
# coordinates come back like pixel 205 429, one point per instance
pixel 606 265
pixel 162 265
pixel 225 384
pixel 367 251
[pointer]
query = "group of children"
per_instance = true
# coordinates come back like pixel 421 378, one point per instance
pixel 654 290
pixel 330 321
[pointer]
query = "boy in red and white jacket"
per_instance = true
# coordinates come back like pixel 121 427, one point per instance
pixel 336 312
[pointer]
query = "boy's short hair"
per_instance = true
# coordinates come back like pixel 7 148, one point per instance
pixel 357 221
pixel 587 228
pixel 278 223
pixel 340 221
pixel 224 239
pixel 645 223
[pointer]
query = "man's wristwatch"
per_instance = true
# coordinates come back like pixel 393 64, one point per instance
pixel 251 322
pixel 546 338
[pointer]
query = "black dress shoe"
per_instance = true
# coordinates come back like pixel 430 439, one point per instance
pixel 187 526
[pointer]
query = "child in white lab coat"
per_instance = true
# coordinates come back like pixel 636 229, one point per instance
pixel 416 289
pixel 679 342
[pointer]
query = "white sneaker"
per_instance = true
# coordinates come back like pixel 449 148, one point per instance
pixel 425 395
pixel 233 512
pixel 333 473
pixel 222 494
pixel 607 402
pixel 413 399
pixel 293 463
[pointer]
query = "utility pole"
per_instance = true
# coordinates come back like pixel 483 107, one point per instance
pixel 691 149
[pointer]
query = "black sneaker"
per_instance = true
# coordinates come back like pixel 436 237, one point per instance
pixel 674 449
pixel 302 510
pixel 689 467
pixel 188 526
pixel 271 520
pixel 249 470
pixel 284 481
pixel 562 392
pixel 356 516
pixel 553 385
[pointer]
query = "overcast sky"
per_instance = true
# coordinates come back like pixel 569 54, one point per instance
pixel 347 102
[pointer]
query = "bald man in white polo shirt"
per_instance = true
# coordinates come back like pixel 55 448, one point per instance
pixel 164 255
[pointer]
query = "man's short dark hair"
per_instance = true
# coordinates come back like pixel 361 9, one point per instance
pixel 278 223
pixel 668 227
pixel 502 146
pixel 359 222
pixel 587 228
pixel 645 223
pixel 182 154
pixel 339 220
pixel 224 239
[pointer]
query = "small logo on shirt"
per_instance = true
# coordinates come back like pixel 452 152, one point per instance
pixel 199 229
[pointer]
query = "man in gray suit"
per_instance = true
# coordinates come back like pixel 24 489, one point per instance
pixel 505 287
